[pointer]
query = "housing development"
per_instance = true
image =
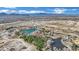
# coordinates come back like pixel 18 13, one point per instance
pixel 39 32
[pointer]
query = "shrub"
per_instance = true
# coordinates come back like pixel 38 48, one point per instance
pixel 37 41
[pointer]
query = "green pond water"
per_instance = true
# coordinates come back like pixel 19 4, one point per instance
pixel 28 31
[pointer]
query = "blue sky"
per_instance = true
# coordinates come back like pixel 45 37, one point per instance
pixel 52 10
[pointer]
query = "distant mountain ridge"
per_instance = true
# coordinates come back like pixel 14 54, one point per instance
pixel 41 14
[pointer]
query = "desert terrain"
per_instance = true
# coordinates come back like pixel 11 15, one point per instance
pixel 55 33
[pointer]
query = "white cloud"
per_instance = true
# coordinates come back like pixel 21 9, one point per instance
pixel 36 11
pixel 8 11
pixel 31 11
pixel 21 11
pixel 11 11
pixel 4 11
pixel 59 11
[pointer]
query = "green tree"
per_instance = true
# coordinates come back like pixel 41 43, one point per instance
pixel 37 41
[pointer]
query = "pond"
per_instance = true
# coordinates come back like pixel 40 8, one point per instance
pixel 28 31
pixel 57 43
